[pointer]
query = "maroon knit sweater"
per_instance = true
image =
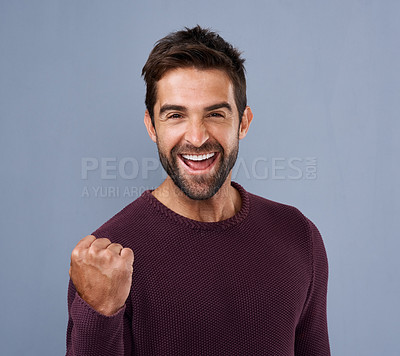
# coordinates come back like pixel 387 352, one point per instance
pixel 254 284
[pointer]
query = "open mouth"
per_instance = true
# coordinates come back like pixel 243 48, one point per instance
pixel 199 162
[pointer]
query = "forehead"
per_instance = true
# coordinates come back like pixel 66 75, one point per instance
pixel 194 87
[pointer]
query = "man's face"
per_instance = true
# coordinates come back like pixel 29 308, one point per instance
pixel 196 129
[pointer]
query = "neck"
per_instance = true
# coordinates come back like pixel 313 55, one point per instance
pixel 223 205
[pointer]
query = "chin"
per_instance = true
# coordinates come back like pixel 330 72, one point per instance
pixel 198 190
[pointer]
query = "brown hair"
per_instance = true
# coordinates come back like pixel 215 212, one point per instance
pixel 199 48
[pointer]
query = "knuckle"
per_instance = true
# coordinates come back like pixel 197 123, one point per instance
pixel 103 240
pixel 92 253
pixel 128 250
pixel 102 257
pixel 127 253
pixel 112 246
pixel 75 254
pixel 87 240
pixel 100 244
pixel 108 256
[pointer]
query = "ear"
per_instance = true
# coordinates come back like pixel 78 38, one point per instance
pixel 149 126
pixel 245 124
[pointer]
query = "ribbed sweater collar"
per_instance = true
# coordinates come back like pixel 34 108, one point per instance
pixel 199 225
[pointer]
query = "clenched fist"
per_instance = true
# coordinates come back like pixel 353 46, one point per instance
pixel 102 273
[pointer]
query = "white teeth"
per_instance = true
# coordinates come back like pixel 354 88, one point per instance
pixel 198 157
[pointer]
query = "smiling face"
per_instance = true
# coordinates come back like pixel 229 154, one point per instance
pixel 197 129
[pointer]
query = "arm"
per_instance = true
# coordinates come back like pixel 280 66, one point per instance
pixel 99 311
pixel 312 330
pixel 91 333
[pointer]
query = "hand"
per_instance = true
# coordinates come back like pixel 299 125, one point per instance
pixel 102 273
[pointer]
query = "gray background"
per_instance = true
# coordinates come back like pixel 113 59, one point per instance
pixel 323 83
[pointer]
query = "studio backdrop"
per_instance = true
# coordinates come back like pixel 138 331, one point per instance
pixel 323 84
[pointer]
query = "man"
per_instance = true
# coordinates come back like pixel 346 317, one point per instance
pixel 217 271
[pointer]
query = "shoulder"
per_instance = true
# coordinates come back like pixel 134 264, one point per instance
pixel 276 211
pixel 283 219
pixel 289 223
pixel 288 226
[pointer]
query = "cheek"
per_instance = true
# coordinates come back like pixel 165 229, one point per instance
pixel 227 138
pixel 171 134
pixel 166 141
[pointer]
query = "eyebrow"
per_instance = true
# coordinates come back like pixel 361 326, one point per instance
pixel 219 106
pixel 171 107
pixel 168 107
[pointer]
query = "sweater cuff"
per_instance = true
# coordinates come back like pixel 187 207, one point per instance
pixel 93 330
pixel 82 304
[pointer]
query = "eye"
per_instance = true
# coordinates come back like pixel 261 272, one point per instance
pixel 216 114
pixel 174 116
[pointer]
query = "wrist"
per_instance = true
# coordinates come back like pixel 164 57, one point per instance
pixel 104 308
pixel 108 310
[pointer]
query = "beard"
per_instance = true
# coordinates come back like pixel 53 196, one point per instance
pixel 199 187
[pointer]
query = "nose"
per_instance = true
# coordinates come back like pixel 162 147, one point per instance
pixel 196 133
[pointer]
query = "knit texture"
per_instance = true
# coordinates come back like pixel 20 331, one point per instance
pixel 254 284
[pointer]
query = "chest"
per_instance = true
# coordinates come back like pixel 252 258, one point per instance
pixel 256 281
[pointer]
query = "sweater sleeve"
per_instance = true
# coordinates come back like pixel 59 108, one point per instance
pixel 90 333
pixel 312 329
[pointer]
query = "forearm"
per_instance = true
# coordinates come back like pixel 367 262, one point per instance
pixel 91 333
